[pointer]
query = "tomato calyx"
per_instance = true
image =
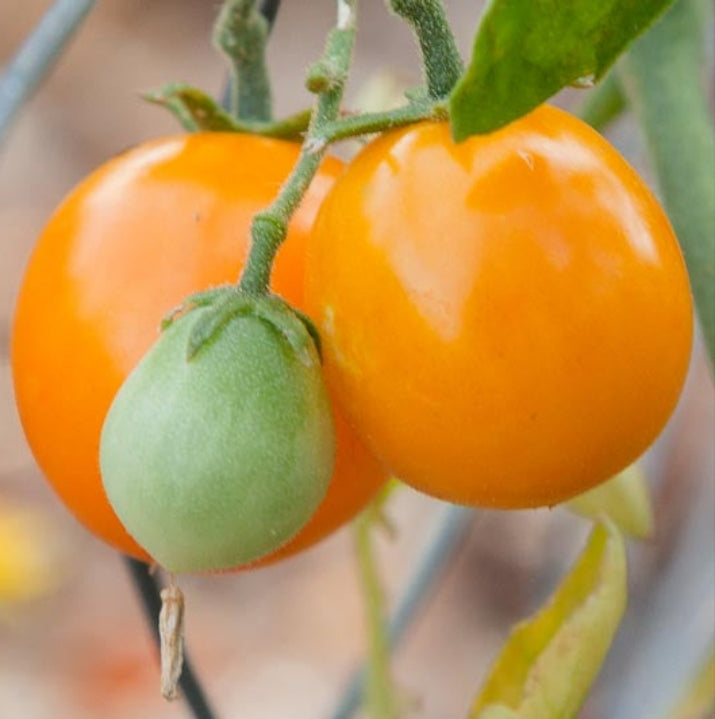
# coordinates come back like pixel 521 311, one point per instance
pixel 228 302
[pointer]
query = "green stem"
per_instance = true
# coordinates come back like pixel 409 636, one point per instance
pixel 269 227
pixel 670 102
pixel 241 33
pixel 604 103
pixel 369 123
pixel 442 61
pixel 380 697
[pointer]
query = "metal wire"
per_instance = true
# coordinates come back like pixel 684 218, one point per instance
pixel 269 10
pixel 433 562
pixel 37 56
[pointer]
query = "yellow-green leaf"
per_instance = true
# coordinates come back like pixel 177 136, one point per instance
pixel 550 661
pixel 699 699
pixel 497 711
pixel 624 499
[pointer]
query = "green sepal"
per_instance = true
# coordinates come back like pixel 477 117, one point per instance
pixel 194 109
pixel 312 331
pixel 208 327
pixel 199 112
pixel 417 94
pixel 290 323
pixel 197 299
pixel 225 303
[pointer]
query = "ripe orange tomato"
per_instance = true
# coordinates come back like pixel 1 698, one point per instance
pixel 506 322
pixel 165 219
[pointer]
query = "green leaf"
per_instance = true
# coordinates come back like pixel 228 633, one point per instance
pixel 550 661
pixel 527 50
pixel 624 499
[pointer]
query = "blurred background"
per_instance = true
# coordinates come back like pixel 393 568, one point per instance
pixel 282 641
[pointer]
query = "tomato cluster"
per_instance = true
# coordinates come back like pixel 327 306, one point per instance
pixel 505 322
pixel 153 225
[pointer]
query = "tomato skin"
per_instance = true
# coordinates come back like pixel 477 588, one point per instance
pixel 506 322
pixel 163 220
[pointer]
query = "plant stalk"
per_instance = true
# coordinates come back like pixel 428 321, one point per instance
pixel 373 122
pixel 381 701
pixel 671 105
pixel 442 62
pixel 270 226
pixel 241 34
pixel 604 104
pixel 429 568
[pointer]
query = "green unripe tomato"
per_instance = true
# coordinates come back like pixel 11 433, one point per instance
pixel 219 446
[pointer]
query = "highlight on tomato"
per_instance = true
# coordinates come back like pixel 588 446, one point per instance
pixel 506 322
pixel 164 220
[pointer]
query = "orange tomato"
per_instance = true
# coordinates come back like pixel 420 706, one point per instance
pixel 165 219
pixel 506 322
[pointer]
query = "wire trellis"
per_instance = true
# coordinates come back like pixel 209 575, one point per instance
pixel 37 56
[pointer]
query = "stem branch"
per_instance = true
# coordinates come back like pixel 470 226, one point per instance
pixel 380 700
pixel 605 103
pixel 241 34
pixel 369 123
pixel 442 62
pixel 429 568
pixel 671 104
pixel 269 227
